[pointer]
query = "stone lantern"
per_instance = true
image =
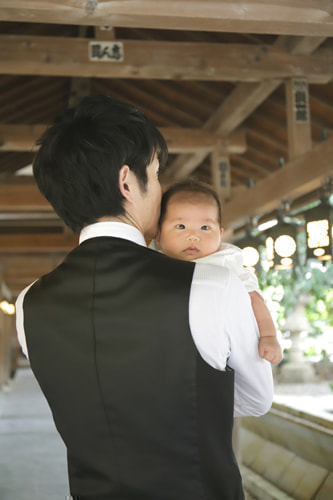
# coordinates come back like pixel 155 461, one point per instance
pixel 298 369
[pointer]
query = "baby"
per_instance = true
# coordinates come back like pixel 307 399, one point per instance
pixel 190 229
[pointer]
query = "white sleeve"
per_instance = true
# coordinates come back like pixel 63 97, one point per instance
pixel 249 280
pixel 225 331
pixel 233 259
pixel 20 320
pixel 254 387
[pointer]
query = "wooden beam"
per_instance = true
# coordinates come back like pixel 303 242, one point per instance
pixel 19 137
pixel 30 221
pixel 183 140
pixel 22 197
pixel 34 243
pixel 251 16
pixel 302 175
pixel 179 140
pixel 57 56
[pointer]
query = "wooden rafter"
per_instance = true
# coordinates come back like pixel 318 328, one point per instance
pixel 251 16
pixel 37 243
pixel 22 197
pixel 239 105
pixel 231 114
pixel 253 169
pixel 261 137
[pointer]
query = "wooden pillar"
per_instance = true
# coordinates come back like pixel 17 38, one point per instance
pixel 298 117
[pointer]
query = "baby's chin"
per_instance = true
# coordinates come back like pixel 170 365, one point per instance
pixel 187 257
pixel 194 257
pixel 181 256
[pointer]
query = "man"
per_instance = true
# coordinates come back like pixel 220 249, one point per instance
pixel 129 346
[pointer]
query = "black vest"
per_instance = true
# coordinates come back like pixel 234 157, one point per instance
pixel 142 415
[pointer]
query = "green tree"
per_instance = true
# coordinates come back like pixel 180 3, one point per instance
pixel 312 279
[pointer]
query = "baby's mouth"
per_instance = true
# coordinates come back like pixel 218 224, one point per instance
pixel 191 250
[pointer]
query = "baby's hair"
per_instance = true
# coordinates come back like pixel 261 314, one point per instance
pixel 189 186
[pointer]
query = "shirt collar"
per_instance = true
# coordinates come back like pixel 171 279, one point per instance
pixel 112 228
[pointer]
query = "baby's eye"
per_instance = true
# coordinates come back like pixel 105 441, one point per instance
pixel 180 226
pixel 205 228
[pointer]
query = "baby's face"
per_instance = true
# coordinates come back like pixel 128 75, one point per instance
pixel 191 228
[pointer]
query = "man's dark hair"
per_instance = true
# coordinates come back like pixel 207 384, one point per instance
pixel 189 186
pixel 78 163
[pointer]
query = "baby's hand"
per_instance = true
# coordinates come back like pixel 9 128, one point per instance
pixel 270 349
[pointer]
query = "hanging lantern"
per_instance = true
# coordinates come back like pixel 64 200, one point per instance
pixel 250 250
pixel 6 307
pixel 281 246
pixel 319 231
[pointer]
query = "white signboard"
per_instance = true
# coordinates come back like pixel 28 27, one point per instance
pixel 106 51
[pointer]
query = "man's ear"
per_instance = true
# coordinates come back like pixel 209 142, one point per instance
pixel 124 180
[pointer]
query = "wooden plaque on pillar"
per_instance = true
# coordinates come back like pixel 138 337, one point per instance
pixel 221 172
pixel 298 117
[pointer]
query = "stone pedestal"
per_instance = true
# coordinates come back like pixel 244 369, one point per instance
pixel 297 369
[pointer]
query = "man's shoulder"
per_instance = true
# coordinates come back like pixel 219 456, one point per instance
pixel 166 264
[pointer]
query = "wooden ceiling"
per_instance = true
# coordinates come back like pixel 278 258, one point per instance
pixel 217 77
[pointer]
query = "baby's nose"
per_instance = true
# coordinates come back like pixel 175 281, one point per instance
pixel 192 236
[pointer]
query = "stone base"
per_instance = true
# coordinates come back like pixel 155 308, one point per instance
pixel 295 373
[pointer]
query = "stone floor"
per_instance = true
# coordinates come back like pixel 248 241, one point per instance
pixel 315 398
pixel 32 455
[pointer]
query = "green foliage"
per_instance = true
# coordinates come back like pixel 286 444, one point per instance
pixel 313 280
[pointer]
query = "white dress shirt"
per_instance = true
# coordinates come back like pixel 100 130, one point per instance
pixel 222 324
